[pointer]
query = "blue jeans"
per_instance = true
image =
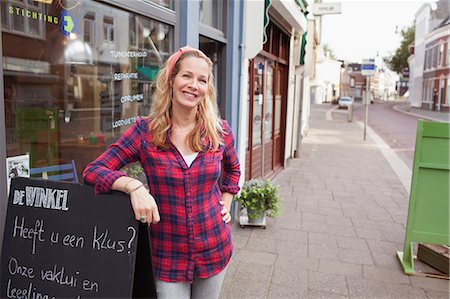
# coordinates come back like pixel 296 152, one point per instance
pixel 201 288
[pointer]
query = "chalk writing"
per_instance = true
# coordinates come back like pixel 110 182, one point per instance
pixel 102 241
pixel 22 270
pixel 35 233
pixel 58 275
pixel 29 292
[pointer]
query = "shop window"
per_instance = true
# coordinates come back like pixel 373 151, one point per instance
pixel 25 17
pixel 440 55
pixel 211 13
pixel 434 57
pixel 214 50
pixel 448 53
pixel 447 93
pixel 164 3
pixel 67 97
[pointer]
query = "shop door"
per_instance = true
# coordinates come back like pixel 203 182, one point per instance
pixel 263 148
pixel 279 92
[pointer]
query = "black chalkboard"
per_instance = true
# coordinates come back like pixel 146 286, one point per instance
pixel 62 241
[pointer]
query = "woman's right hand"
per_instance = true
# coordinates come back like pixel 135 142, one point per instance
pixel 144 206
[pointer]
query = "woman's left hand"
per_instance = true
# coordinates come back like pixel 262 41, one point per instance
pixel 226 216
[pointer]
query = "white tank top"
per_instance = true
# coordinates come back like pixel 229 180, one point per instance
pixel 189 158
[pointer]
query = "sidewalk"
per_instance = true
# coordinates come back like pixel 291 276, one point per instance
pixel 423 113
pixel 344 218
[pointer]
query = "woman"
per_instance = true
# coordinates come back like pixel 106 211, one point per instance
pixel 192 169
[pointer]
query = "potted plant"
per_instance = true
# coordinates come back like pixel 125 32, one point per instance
pixel 260 198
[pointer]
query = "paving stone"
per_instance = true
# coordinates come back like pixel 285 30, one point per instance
pixel 369 234
pixel 385 247
pixel 259 244
pixel 254 272
pixel 430 283
pixel 256 257
pixel 322 252
pixel 340 230
pixel 316 227
pixel 360 257
pixel 322 239
pixel 386 260
pixel 362 288
pixel 431 294
pixel 314 294
pixel 339 268
pixel 387 275
pixel 290 277
pixel 339 220
pixel 239 241
pixel 245 289
pixel 352 243
pixel 279 291
pixel 293 249
pixel 330 283
pixel 295 263
pixel 289 223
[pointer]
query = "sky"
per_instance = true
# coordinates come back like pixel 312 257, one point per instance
pixel 367 27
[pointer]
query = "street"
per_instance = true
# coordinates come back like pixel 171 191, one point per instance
pixel 398 130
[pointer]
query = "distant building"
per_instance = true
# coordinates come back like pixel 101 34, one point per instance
pixel 430 58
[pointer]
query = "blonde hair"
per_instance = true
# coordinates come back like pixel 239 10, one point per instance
pixel 207 133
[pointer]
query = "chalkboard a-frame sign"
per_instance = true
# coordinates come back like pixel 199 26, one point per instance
pixel 62 241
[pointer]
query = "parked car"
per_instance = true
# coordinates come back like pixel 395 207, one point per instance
pixel 344 102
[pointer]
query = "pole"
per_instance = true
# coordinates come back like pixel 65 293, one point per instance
pixel 366 116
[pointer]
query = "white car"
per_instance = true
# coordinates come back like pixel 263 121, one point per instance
pixel 344 102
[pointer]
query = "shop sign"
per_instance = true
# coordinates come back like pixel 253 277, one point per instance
pixel 26 65
pixel 61 241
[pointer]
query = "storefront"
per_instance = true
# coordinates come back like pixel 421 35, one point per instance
pixel 267 105
pixel 77 73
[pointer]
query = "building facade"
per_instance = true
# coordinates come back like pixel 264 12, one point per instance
pixel 76 74
pixel 272 85
pixel 430 59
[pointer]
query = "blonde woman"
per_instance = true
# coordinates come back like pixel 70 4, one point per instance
pixel 192 169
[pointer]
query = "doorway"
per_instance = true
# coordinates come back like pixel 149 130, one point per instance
pixel 266 102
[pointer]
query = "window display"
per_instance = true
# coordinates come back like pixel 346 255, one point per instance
pixel 76 77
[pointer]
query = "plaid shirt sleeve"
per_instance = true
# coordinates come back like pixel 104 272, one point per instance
pixel 104 170
pixel 231 167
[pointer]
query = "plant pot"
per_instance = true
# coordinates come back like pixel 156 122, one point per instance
pixel 257 217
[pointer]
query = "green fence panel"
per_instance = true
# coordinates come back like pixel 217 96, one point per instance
pixel 428 214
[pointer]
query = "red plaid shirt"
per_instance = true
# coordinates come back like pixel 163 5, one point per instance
pixel 191 240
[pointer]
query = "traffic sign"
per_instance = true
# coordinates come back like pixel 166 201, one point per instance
pixel 368 67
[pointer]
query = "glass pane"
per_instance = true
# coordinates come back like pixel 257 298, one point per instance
pixel 74 100
pixel 213 50
pixel 277 91
pixel 165 3
pixel 18 23
pixel 4 15
pixel 208 12
pixel 34 26
pixel 257 103
pixel 268 105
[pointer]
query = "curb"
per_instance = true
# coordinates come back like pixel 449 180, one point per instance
pixel 396 108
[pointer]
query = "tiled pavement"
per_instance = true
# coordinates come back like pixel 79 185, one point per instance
pixel 344 218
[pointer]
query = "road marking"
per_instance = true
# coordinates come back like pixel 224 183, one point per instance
pixel 328 115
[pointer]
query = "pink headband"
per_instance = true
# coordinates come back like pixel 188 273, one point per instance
pixel 176 56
